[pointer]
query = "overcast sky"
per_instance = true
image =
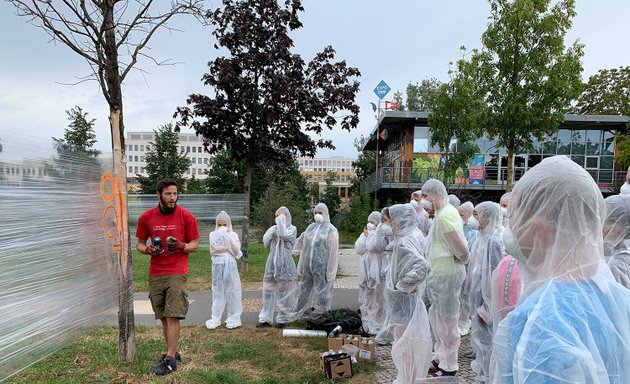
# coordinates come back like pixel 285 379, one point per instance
pixel 395 41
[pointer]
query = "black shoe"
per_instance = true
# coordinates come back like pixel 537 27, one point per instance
pixel 165 367
pixel 469 354
pixel 263 324
pixel 280 325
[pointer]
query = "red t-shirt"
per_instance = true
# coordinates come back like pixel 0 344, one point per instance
pixel 181 224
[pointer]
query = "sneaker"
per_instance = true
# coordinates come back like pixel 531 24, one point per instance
pixel 212 324
pixel 263 324
pixel 233 326
pixel 165 367
pixel 280 325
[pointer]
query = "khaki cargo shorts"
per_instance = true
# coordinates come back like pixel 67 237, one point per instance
pixel 168 295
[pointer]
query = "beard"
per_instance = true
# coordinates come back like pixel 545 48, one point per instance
pixel 165 208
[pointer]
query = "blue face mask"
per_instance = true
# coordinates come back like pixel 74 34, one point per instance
pixel 512 247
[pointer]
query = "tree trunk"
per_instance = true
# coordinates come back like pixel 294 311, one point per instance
pixel 510 170
pixel 247 186
pixel 112 90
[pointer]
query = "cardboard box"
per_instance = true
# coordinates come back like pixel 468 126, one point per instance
pixel 337 366
pixel 352 339
pixel 335 343
pixel 367 350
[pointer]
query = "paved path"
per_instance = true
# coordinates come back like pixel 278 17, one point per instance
pixel 345 295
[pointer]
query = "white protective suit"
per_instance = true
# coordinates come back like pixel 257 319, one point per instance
pixel 484 258
pixel 404 288
pixel 279 281
pixel 448 254
pixel 454 201
pixel 572 323
pixel 225 249
pixel 466 210
pixel 370 251
pixel 616 234
pixel 318 248
pixel 504 202
pixel 385 335
pixel 424 221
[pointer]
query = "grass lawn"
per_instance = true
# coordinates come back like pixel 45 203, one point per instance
pixel 200 268
pixel 241 356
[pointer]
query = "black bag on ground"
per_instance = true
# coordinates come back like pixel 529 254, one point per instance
pixel 347 319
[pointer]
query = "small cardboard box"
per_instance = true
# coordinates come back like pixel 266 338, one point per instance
pixel 352 339
pixel 335 343
pixel 337 366
pixel 367 350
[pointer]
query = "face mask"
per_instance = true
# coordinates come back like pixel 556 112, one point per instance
pixel 371 226
pixel 511 245
pixel 386 230
pixel 473 223
pixel 319 218
pixel 414 203
pixel 426 204
pixel 504 212
pixel 222 229
pixel 625 189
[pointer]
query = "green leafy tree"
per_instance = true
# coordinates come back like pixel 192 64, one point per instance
pixel 528 75
pixel 76 157
pixel 455 117
pixel 226 174
pixel 365 164
pixel 330 197
pixel 608 93
pixel 164 160
pixel 398 98
pixel 195 186
pixel 421 96
pixel 265 99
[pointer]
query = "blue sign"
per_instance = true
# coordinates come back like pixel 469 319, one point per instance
pixel 382 89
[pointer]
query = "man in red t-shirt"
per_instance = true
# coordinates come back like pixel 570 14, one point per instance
pixel 176 228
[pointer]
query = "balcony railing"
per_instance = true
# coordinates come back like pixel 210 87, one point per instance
pixel 480 178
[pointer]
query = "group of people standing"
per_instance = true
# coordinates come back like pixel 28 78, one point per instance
pixel 540 280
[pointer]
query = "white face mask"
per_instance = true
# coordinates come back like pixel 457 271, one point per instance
pixel 386 230
pixel 414 203
pixel 371 226
pixel 504 212
pixel 625 189
pixel 426 204
pixel 319 218
pixel 512 247
pixel 222 229
pixel 473 223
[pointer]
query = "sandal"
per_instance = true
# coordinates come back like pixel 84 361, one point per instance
pixel 434 367
pixel 440 372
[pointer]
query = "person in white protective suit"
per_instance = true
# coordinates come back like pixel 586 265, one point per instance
pixel 504 202
pixel 616 234
pixel 369 246
pixel 318 249
pixel 448 253
pixel 484 258
pixel 225 249
pixel 384 230
pixel 404 286
pixel 454 201
pixel 424 221
pixel 572 323
pixel 465 212
pixel 625 188
pixel 280 278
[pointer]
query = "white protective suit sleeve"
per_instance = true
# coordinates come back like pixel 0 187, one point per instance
pixel 297 250
pixel 360 246
pixel 268 236
pixel 485 310
pixel 333 255
pixel 414 273
pixel 457 244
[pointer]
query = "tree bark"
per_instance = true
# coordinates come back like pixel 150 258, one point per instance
pixel 112 90
pixel 247 186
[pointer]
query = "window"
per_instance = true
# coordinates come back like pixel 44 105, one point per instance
pixel 194 171
pixel 592 162
pixel 147 137
pixel 205 160
pixel 142 159
pixel 579 160
pixel 181 149
pixel 141 169
pixel 130 169
pixel 194 160
pixel 135 158
pixel 141 148
pixel 420 139
pixel 199 160
pixel 199 149
pixel 135 147
pixel 135 169
pixel 188 149
pixel 136 137
pixel 130 158
pixel 564 141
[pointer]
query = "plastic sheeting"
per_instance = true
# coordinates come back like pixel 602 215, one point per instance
pixel 58 268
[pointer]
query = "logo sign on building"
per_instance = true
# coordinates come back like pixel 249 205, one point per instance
pixel 382 89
